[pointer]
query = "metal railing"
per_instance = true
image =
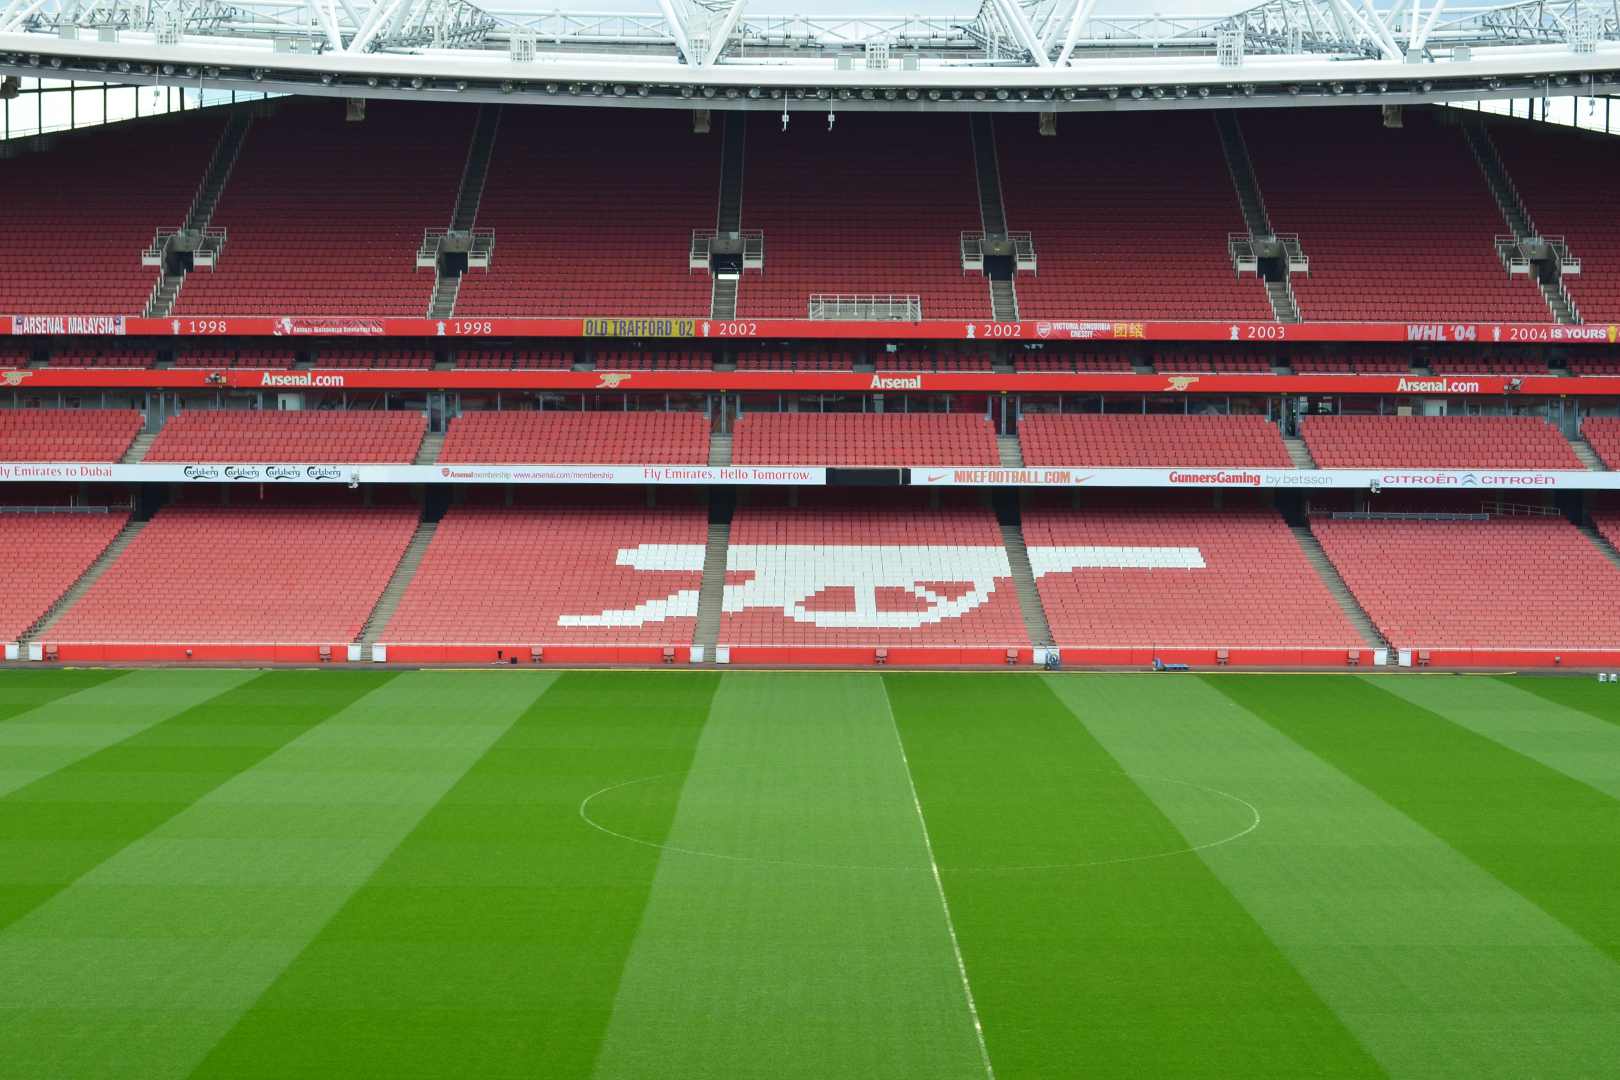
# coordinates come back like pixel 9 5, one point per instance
pixel 1020 245
pixel 706 243
pixel 479 244
pixel 831 307
pixel 1244 249
pixel 1509 248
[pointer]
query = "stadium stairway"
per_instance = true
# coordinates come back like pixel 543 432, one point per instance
pixel 394 592
pixel 712 592
pixel 1341 592
pixel 1602 543
pixel 80 587
pixel 428 452
pixel 1023 576
pixel 1299 452
pixel 1588 456
pixel 719 449
pixel 202 208
pixel 728 219
pixel 992 212
pixel 447 287
pixel 137 449
pixel 1254 206
pixel 1011 451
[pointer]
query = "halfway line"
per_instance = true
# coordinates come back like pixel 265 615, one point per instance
pixel 950 925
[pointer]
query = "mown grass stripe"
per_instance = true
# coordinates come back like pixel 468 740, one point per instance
pixel 57 828
pixel 793 930
pixel 1581 692
pixel 1436 967
pixel 491 942
pixel 1103 967
pixel 22 690
pixel 1552 839
pixel 145 962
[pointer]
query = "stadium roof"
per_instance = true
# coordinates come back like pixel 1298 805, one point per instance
pixel 1028 55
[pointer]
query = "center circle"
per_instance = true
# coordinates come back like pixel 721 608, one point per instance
pixel 778 813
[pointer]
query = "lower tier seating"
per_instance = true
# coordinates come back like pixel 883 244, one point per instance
pixel 1504 583
pixel 203 574
pixel 578 438
pixel 1436 442
pixel 295 437
pixel 1082 363
pixel 613 360
pixel 856 440
pixel 1179 579
pixel 980 362
pixel 1603 432
pixel 67 434
pixel 497 575
pixel 1114 440
pixel 519 359
pixel 787 361
pixel 49 552
pixel 1210 364
pixel 886 578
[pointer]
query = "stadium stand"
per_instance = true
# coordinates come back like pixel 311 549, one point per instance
pixel 580 438
pixel 328 240
pixel 1080 363
pixel 855 440
pixel 1158 250
pixel 518 359
pixel 1210 364
pixel 67 434
pixel 788 361
pixel 522 576
pixel 876 577
pixel 1482 365
pixel 266 358
pixel 1427 256
pixel 1566 184
pixel 610 360
pixel 1150 442
pixel 224 435
pixel 71 242
pixel 1381 365
pixel 584 231
pixel 1603 433
pixel 1322 365
pixel 901 237
pixel 1179 579
pixel 200 574
pixel 1502 583
pixel 50 552
pixel 85 356
pixel 1437 442
pixel 1594 365
pixel 402 359
pixel 981 362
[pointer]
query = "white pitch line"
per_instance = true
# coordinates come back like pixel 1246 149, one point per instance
pixel 950 924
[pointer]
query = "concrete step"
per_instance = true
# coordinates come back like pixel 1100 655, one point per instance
pixel 1029 597
pixel 394 592
pixel 137 449
pixel 723 299
pixel 1012 453
pixel 1298 452
pixel 428 452
pixel 712 592
pixel 1602 544
pixel 1003 301
pixel 719 449
pixel 446 289
pixel 1341 592
pixel 1588 456
pixel 105 559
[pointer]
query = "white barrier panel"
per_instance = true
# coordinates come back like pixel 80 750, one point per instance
pixel 1496 480
pixel 696 655
pixel 12 650
pixel 354 653
pixel 337 473
pixel 379 654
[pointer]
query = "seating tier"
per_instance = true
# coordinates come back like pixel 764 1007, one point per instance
pixel 578 438
pixel 222 435
pixel 1436 442
pixel 856 440
pixel 1150 442
pixel 48 554
pixel 67 434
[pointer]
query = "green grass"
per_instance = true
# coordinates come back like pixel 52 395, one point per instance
pixel 683 874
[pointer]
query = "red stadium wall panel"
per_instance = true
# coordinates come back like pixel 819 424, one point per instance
pixel 1437 442
pixel 1150 442
pixel 237 583
pixel 1523 586
pixel 1140 583
pixel 1123 228
pixel 311 231
pixel 896 579
pixel 222 435
pixel 855 440
pixel 511 578
pixel 875 207
pixel 47 554
pixel 579 438
pixel 68 434
pixel 583 229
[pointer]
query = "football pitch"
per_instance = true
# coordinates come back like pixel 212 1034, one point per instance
pixel 781 875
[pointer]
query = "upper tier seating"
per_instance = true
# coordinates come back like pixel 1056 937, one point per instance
pixel 225 356
pixel 1383 249
pixel 202 574
pixel 49 553
pixel 1523 582
pixel 875 207
pixel 578 438
pixel 1179 579
pixel 787 361
pixel 518 359
pixel 67 434
pixel 1211 364
pixel 518 576
pixel 1436 442
pixel 980 362
pixel 855 440
pixel 74 221
pixel 312 232
pixel 1487 365
pixel 97 356
pixel 1593 365
pixel 223 435
pixel 1077 362
pixel 1603 432
pixel 612 360
pixel 1566 181
pixel 1322 365
pixel 400 359
pixel 1158 251
pixel 593 213
pixel 1089 440
pixel 869 578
